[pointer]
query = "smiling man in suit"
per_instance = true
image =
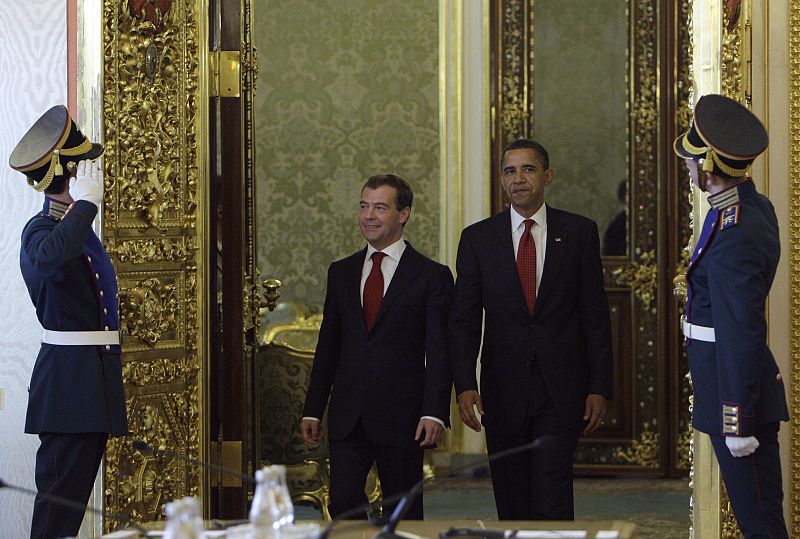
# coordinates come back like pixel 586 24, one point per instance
pixel 533 275
pixel 381 355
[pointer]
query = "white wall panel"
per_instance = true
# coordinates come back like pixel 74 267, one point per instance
pixel 33 76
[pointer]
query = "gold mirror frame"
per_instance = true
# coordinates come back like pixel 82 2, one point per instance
pixel 637 444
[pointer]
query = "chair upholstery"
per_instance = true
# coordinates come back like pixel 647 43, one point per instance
pixel 283 370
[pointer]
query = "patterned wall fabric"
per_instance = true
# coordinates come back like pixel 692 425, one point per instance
pixel 33 76
pixel 346 89
pixel 580 102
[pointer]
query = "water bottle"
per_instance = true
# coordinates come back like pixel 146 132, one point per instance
pixel 183 519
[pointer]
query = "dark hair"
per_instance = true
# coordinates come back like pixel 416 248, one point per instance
pixel 403 191
pixel 526 143
pixel 58 185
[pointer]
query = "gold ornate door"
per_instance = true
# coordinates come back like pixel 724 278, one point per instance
pixel 176 78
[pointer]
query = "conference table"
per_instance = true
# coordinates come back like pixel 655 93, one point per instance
pixel 430 529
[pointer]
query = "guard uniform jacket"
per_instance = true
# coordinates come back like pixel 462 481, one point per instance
pixel 70 279
pixel 736 380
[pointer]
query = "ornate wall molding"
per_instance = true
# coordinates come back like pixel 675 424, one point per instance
pixel 794 261
pixel 151 107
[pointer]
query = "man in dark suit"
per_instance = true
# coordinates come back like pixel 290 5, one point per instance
pixel 739 398
pixel 381 355
pixel 532 274
pixel 76 395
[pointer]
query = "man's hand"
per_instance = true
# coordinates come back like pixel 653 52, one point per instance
pixel 741 447
pixel 312 431
pixel 595 412
pixel 467 402
pixel 433 433
pixel 88 183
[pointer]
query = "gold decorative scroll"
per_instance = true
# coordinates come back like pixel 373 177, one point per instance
pixel 683 92
pixel 735 60
pixel 516 76
pixel 794 263
pixel 150 107
pixel 641 276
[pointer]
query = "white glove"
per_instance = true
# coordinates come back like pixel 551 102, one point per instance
pixel 88 183
pixel 741 447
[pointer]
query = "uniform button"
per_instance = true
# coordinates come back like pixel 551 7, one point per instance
pixel 97 276
pixel 106 328
pixel 105 311
pixel 108 347
pixel 101 294
pixel 89 258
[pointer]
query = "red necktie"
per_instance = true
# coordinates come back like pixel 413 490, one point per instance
pixel 373 290
pixel 526 265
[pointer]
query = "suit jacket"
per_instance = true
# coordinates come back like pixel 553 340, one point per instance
pixel 735 378
pixel 568 335
pixel 73 286
pixel 383 377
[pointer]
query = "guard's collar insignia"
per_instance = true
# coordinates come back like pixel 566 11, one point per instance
pixel 54 209
pixel 724 199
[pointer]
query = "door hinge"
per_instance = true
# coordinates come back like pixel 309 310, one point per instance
pixel 225 73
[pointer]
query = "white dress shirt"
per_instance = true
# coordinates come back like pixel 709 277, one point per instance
pixel 388 268
pixel 539 233
pixel 388 264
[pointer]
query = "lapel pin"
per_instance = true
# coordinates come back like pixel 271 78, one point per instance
pixel 558 239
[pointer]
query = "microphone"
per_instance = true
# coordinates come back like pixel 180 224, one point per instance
pixel 125 520
pixel 404 499
pixel 147 448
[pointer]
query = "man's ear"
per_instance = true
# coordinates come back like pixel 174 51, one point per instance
pixel 549 176
pixel 405 213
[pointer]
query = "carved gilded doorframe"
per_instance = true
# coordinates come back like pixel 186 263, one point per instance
pixel 154 109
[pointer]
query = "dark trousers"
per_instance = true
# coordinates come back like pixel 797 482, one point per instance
pixel 66 467
pixel 535 484
pixel 754 484
pixel 399 469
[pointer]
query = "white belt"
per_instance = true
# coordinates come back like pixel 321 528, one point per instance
pixel 698 333
pixel 75 338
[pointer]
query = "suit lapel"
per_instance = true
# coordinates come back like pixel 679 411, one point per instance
pixel 353 287
pixel 406 270
pixel 506 263
pixel 557 240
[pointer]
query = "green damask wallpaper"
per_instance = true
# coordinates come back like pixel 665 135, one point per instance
pixel 581 102
pixel 346 89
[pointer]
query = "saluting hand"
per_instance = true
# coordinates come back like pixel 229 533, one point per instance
pixel 88 183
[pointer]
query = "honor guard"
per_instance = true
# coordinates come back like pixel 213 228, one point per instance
pixel 76 398
pixel 739 398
